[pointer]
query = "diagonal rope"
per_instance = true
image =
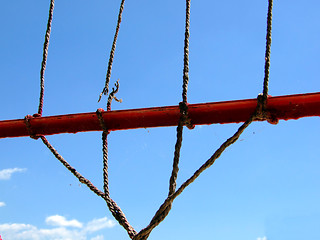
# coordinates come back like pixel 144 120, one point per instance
pixel 173 193
pixel 105 90
pixel 115 210
pixel 166 206
pixel 159 216
pixel 44 57
pixel 71 169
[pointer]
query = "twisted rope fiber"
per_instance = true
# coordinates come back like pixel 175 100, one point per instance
pixel 29 128
pixel 161 215
pixel 158 217
pixel 166 206
pixel 105 90
pixel 260 109
pixel 113 207
pixel 71 169
pixel 44 57
pixel 186 54
pixel 111 204
pixel 183 107
pixel 267 54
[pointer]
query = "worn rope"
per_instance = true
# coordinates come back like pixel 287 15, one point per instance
pixel 72 169
pixel 186 54
pixel 262 113
pixel 183 106
pixel 105 90
pixel 261 103
pixel 44 58
pixel 159 216
pixel 31 133
pixel 113 207
pixel 267 54
pixel 184 120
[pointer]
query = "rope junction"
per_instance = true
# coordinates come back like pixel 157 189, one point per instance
pixel 263 108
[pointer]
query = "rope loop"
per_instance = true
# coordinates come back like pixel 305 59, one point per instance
pixel 27 121
pixel 101 120
pixel 262 113
pixel 185 115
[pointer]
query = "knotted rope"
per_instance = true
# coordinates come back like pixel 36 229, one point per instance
pixel 260 113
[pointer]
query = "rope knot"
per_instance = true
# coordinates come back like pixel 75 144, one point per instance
pixel 101 121
pixel 262 113
pixel 27 120
pixel 185 115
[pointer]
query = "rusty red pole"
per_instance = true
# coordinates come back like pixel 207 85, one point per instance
pixel 282 107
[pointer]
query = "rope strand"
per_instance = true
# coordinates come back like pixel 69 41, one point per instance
pixel 267 54
pixel 186 54
pixel 71 169
pixel 44 58
pixel 105 90
pixel 161 215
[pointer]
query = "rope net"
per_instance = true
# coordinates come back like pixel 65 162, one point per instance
pixel 260 113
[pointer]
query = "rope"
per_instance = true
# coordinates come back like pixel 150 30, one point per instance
pixel 113 207
pixel 115 210
pixel 260 109
pixel 165 208
pixel 186 54
pixel 184 120
pixel 267 54
pixel 183 106
pixel 71 169
pixel 44 58
pixel 31 133
pixel 160 214
pixel 105 90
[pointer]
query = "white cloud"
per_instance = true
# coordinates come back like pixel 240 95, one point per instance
pixel 97 224
pixel 6 174
pixel 61 221
pixel 2 204
pixel 99 237
pixel 262 238
pixel 62 230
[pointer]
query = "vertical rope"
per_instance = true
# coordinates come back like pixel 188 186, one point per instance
pixel 161 215
pixel 186 54
pixel 105 90
pixel 44 57
pixel 166 206
pixel 183 108
pixel 112 205
pixel 267 53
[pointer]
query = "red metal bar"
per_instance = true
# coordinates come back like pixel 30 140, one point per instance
pixel 282 107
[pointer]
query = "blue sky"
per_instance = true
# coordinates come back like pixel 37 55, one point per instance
pixel 265 187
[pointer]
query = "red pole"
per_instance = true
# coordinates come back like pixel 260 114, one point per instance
pixel 282 107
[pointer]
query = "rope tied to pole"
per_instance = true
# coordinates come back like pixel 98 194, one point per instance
pixel 164 209
pixel 112 205
pixel 27 121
